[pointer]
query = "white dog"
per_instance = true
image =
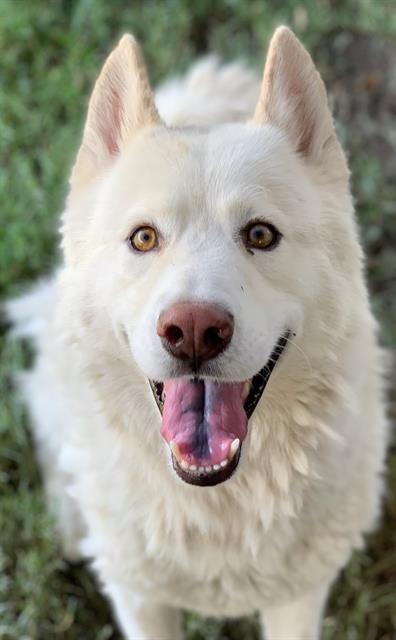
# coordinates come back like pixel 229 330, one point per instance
pixel 207 399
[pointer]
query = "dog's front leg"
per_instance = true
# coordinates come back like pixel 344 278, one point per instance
pixel 298 620
pixel 140 619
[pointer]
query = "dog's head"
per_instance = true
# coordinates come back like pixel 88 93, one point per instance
pixel 206 251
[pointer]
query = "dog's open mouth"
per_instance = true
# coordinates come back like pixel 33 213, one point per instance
pixel 205 421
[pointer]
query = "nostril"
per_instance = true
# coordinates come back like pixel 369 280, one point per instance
pixel 213 337
pixel 174 335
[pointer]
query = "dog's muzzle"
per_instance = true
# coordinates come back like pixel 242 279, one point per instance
pixel 205 421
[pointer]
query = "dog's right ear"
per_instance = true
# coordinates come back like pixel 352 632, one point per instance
pixel 121 104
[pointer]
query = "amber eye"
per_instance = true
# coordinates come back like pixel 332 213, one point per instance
pixel 261 236
pixel 144 239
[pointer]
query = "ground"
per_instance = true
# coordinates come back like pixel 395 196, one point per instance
pixel 51 53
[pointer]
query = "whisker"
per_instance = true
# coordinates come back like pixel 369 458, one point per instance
pixel 296 346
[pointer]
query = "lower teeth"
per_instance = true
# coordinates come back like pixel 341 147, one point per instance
pixel 208 469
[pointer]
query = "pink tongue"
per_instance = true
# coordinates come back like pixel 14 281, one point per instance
pixel 203 418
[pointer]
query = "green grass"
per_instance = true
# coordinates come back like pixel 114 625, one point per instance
pixel 51 54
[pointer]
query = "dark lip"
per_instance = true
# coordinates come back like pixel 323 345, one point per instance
pixel 260 380
pixel 157 389
pixel 207 479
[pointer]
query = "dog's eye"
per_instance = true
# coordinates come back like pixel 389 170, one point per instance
pixel 144 239
pixel 259 235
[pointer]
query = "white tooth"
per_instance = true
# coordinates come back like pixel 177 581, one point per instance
pixel 234 448
pixel 184 464
pixel 208 468
pixel 174 447
pixel 201 469
pixel 216 467
pixel 223 463
pixel 193 467
pixel 246 389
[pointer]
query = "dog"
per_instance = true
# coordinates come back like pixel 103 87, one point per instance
pixel 207 397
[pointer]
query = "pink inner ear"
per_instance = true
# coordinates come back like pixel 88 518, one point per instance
pixel 304 114
pixel 111 127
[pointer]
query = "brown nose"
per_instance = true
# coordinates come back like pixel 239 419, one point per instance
pixel 195 331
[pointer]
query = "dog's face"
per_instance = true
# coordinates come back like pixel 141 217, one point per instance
pixel 210 244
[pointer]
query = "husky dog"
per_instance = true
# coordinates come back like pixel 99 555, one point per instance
pixel 207 397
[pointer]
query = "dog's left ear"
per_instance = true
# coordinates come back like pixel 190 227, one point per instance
pixel 121 104
pixel 293 98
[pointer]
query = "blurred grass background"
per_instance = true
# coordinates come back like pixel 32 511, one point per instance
pixel 51 52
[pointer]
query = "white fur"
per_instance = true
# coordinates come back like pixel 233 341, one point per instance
pixel 191 100
pixel 274 536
